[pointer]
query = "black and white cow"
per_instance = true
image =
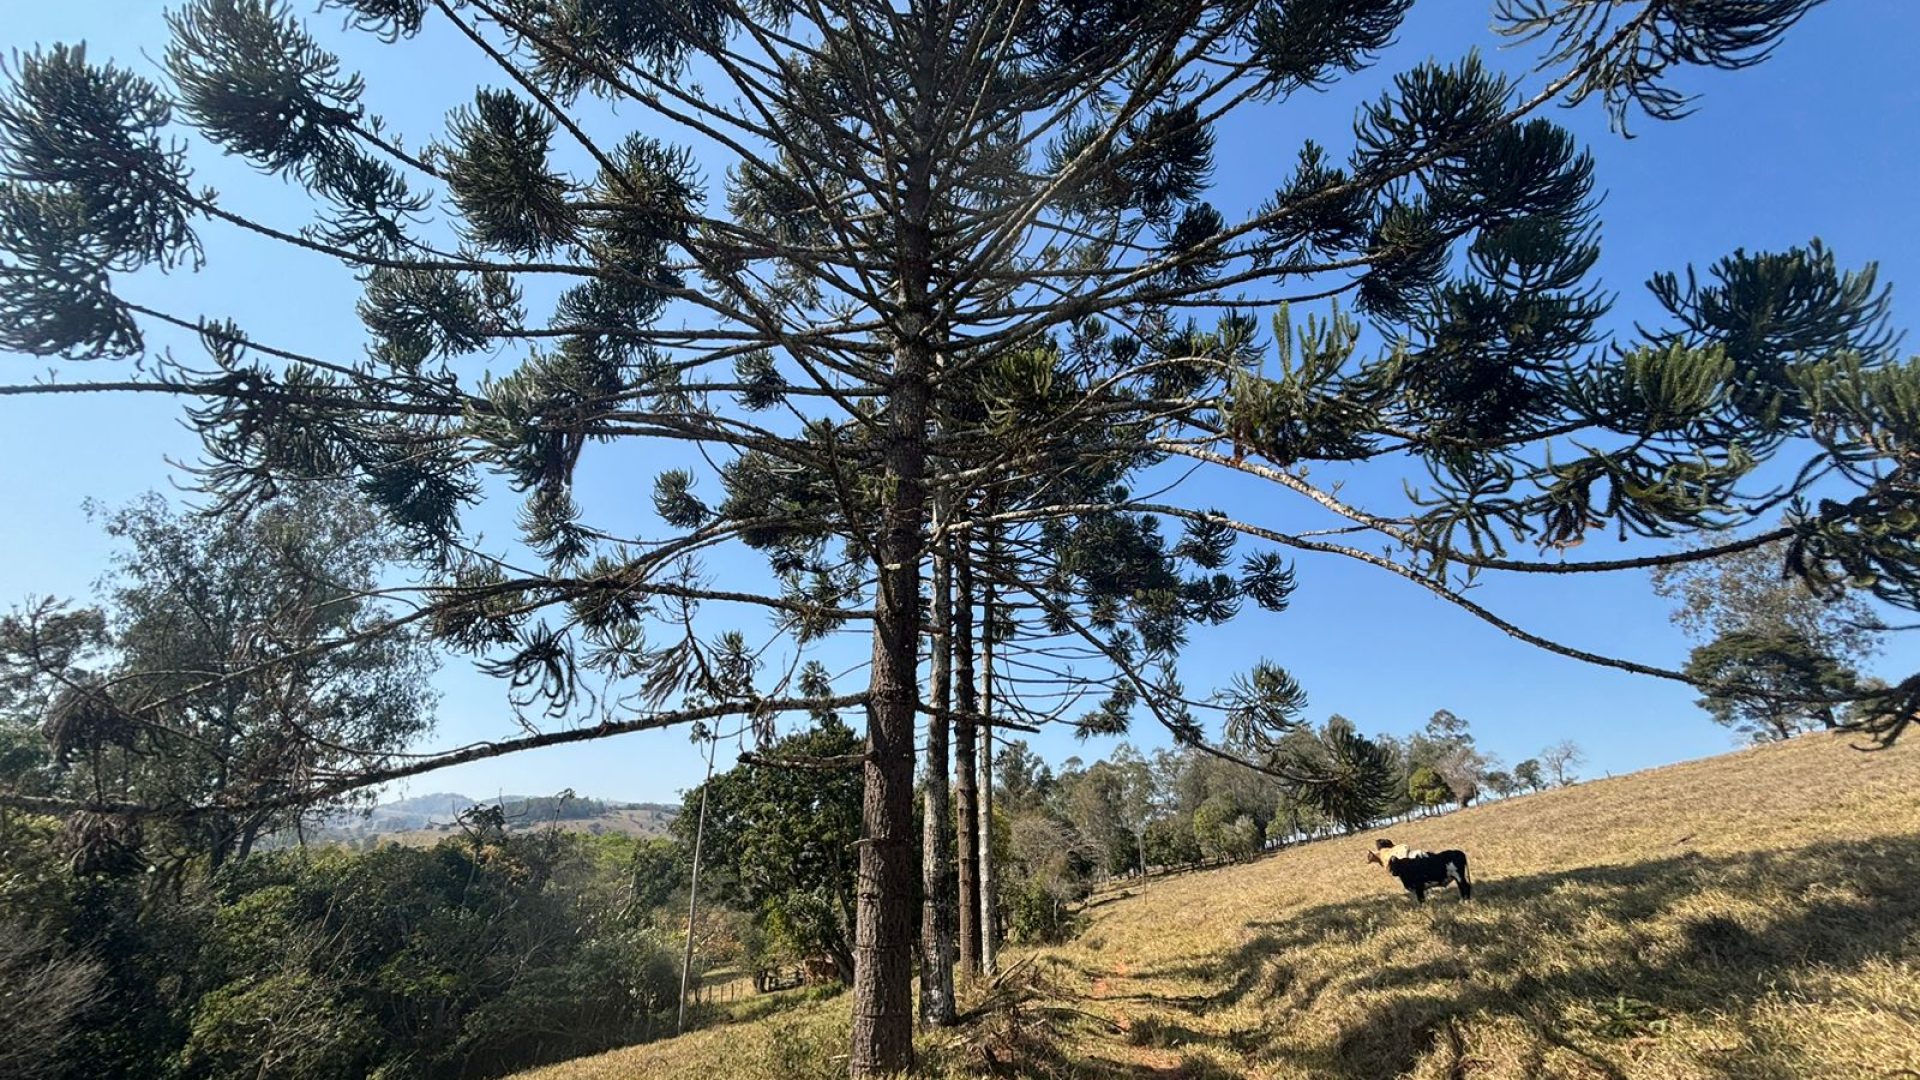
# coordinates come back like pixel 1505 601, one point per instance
pixel 1423 870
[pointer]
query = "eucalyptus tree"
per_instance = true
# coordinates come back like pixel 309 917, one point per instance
pixel 912 198
pixel 227 661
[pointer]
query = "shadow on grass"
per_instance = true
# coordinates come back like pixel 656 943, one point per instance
pixel 1625 946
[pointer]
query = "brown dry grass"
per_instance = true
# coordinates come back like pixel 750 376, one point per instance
pixel 1753 916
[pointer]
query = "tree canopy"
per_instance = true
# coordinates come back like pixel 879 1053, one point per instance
pixel 1776 651
pixel 230 662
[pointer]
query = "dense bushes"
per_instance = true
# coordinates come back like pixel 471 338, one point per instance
pixel 469 959
pixel 44 991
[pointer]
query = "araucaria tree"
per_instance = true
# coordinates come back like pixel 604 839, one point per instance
pixel 845 263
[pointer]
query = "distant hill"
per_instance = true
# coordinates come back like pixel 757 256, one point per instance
pixel 424 819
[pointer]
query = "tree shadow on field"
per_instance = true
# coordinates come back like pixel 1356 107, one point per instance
pixel 1586 959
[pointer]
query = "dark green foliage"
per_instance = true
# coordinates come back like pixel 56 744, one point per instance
pixel 390 19
pixel 780 842
pixel 415 315
pixel 1769 685
pixel 196 632
pixel 1170 842
pixel 1223 830
pixel 93 133
pixel 498 176
pixel 1170 164
pixel 1528 774
pixel 1020 776
pixel 1262 706
pixel 1267 580
pixel 92 185
pixel 1036 917
pixel 473 958
pixel 1777 653
pixel 1772 315
pixel 54 299
pixel 254 81
pixel 578 43
pixel 1309 44
pixel 763 382
pixel 1353 777
pixel 1206 542
pixel 674 501
pixel 659 873
pixel 45 991
pixel 1048 862
pixel 961 268
pixel 478 957
pixel 1725 34
pixel 1427 788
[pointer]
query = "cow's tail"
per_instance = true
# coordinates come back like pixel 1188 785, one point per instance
pixel 1459 864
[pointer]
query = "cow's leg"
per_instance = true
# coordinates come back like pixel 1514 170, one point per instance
pixel 1458 872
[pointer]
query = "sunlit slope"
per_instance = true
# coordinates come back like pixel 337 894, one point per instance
pixel 1747 916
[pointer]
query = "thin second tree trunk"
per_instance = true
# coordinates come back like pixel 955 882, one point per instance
pixel 937 913
pixel 966 764
pixel 989 896
pixel 693 887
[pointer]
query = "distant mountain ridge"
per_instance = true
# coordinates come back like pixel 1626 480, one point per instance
pixel 423 817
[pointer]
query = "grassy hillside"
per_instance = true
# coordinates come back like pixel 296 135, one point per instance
pixel 1755 915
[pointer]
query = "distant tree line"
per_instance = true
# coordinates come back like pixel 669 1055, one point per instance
pixel 778 837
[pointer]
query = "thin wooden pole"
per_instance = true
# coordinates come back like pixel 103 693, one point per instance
pixel 693 885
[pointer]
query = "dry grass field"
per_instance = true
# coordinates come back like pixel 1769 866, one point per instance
pixel 1752 916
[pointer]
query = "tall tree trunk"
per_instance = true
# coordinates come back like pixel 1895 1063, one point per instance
pixel 936 843
pixel 965 764
pixel 883 936
pixel 249 836
pixel 989 896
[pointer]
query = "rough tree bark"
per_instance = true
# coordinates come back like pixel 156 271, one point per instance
pixel 966 764
pixel 936 881
pixel 989 895
pixel 883 960
pixel 883 936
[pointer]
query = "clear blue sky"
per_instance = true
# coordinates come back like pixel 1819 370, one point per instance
pixel 1823 140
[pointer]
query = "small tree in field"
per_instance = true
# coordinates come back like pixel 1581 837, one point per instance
pixel 1462 769
pixel 1502 784
pixel 784 840
pixel 1559 761
pixel 1428 789
pixel 1529 775
pixel 948 282
pixel 1776 650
